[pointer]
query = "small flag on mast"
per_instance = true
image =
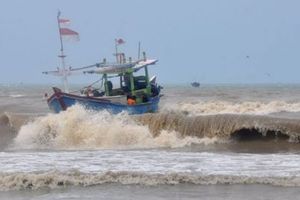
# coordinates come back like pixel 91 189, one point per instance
pixel 119 41
pixel 67 33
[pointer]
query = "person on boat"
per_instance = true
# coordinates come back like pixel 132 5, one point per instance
pixel 145 98
pixel 89 91
pixel 126 87
pixel 155 90
pixel 109 87
pixel 96 93
pixel 131 100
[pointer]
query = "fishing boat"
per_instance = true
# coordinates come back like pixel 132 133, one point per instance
pixel 124 85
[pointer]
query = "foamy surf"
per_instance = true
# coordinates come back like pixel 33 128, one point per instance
pixel 17 95
pixel 78 128
pixel 56 179
pixel 85 129
pixel 225 107
pixel 54 169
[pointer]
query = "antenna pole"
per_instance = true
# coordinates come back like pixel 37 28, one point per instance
pixel 62 56
pixel 139 51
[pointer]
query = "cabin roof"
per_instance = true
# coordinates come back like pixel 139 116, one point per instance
pixel 117 68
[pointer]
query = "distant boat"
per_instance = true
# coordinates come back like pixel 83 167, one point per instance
pixel 195 84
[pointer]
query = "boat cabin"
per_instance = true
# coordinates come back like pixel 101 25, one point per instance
pixel 129 85
pixel 128 79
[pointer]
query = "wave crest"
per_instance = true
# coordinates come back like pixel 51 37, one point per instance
pixel 223 126
pixel 80 128
pixel 226 107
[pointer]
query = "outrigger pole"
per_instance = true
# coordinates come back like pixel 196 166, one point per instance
pixel 62 56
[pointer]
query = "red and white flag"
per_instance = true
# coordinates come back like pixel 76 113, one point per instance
pixel 69 34
pixel 64 22
pixel 119 41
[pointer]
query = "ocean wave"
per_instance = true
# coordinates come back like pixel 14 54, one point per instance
pixel 7 130
pixel 4 119
pixel 225 107
pixel 86 129
pixel 56 179
pixel 227 126
pixel 15 120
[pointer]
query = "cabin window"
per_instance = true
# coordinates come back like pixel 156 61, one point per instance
pixel 113 86
pixel 140 82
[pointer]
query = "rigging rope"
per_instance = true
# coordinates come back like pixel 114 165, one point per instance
pixel 101 85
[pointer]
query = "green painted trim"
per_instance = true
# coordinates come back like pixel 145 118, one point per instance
pixel 148 88
pixel 147 75
pixel 105 84
pixel 131 83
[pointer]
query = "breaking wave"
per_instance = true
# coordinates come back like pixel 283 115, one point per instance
pixel 56 179
pixel 13 120
pixel 9 126
pixel 80 128
pixel 224 126
pixel 4 119
pixel 226 107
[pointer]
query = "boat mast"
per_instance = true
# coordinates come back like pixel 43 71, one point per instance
pixel 139 50
pixel 62 57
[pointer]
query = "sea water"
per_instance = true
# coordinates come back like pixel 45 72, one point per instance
pixel 212 142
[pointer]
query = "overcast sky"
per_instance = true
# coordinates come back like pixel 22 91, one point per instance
pixel 210 41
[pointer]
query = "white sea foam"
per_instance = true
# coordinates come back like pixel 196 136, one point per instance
pixel 80 128
pixel 56 179
pixel 34 170
pixel 17 95
pixel 226 107
pixel 52 169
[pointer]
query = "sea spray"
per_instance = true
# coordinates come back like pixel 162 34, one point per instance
pixel 81 128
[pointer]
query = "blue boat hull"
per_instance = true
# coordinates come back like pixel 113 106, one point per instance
pixel 60 101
